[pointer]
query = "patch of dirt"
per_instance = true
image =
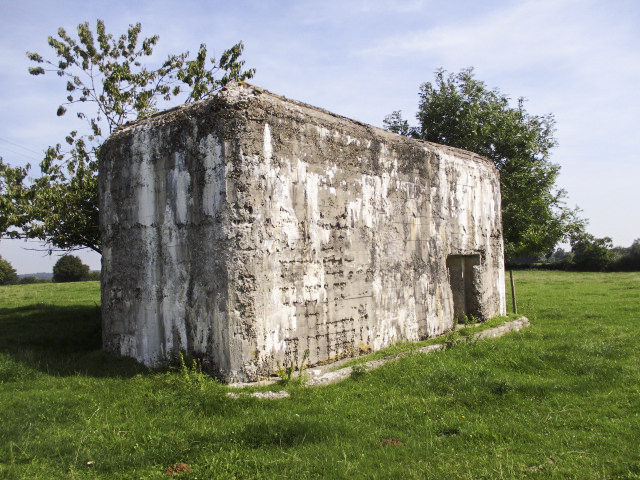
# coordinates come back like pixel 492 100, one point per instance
pixel 178 468
pixel 392 442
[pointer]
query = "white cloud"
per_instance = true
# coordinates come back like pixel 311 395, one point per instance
pixel 524 34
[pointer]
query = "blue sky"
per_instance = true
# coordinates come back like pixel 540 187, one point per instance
pixel 577 59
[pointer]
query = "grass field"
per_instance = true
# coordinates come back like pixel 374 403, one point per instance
pixel 558 400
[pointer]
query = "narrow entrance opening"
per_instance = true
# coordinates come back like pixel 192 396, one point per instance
pixel 464 286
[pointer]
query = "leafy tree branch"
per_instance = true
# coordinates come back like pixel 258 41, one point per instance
pixel 109 85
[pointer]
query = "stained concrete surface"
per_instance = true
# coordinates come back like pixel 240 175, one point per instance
pixel 248 228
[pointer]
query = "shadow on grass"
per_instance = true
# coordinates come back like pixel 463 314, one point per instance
pixel 60 340
pixel 283 432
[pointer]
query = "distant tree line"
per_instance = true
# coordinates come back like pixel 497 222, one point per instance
pixel 31 279
pixel 587 254
pixel 68 268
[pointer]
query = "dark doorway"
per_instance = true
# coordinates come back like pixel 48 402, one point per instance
pixel 464 286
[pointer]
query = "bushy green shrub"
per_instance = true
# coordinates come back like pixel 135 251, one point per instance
pixel 629 260
pixel 591 254
pixel 8 274
pixel 70 269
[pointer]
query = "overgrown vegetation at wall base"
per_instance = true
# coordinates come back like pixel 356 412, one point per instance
pixel 557 400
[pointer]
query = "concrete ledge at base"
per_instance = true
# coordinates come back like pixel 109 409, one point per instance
pixel 500 330
pixel 322 377
pixel 332 377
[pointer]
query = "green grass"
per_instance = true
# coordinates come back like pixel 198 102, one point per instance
pixel 400 348
pixel 560 399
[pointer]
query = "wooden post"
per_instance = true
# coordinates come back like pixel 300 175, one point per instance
pixel 513 292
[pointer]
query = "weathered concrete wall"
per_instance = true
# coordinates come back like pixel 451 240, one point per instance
pixel 249 228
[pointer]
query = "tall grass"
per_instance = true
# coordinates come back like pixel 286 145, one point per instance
pixel 558 400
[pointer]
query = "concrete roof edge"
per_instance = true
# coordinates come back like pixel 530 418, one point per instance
pixel 238 86
pixel 237 92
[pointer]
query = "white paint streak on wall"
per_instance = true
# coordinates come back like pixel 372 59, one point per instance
pixel 145 186
pixel 267 146
pixel 178 181
pixel 213 193
pixel 149 339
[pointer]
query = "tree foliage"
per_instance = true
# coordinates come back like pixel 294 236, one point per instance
pixel 631 260
pixel 590 253
pixel 70 269
pixel 460 111
pixel 108 85
pixel 8 275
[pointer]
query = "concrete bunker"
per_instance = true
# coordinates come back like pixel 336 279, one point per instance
pixel 248 228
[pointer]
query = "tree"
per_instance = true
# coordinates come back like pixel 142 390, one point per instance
pixel 70 269
pixel 60 207
pixel 590 253
pixel 8 275
pixel 629 258
pixel 460 111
